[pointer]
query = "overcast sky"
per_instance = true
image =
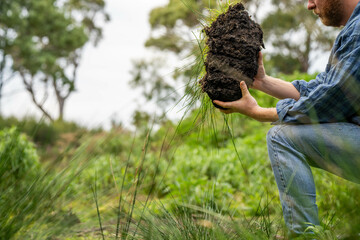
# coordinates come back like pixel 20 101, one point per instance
pixel 103 92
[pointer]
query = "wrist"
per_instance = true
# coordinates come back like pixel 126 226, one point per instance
pixel 256 112
pixel 264 114
pixel 259 84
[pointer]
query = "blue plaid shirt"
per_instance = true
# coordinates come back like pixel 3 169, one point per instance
pixel 334 96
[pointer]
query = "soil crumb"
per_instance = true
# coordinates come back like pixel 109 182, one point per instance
pixel 234 42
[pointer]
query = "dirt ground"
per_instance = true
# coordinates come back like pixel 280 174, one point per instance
pixel 234 42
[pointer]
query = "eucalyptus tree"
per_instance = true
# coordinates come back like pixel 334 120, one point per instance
pixel 295 36
pixel 44 40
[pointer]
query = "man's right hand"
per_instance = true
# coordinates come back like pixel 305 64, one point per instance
pixel 260 77
pixel 273 86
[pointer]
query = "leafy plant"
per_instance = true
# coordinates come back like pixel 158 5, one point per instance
pixel 18 156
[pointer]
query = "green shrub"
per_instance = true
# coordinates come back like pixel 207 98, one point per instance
pixel 40 131
pixel 18 157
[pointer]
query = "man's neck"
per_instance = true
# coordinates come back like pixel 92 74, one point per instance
pixel 349 6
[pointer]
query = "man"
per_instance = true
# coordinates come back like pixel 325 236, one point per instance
pixel 318 121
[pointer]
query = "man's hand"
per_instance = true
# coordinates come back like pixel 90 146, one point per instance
pixel 273 86
pixel 248 106
pixel 260 77
pixel 245 105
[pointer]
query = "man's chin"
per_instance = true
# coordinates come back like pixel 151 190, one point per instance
pixel 326 23
pixel 329 23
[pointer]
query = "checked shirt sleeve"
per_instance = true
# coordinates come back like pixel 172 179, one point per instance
pixel 305 87
pixel 334 96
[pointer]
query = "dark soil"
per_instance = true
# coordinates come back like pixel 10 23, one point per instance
pixel 234 42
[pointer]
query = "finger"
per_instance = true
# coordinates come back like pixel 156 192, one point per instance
pixel 244 89
pixel 221 104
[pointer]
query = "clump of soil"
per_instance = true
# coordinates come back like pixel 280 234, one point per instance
pixel 234 42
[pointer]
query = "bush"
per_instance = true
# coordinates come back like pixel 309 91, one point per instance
pixel 18 158
pixel 40 131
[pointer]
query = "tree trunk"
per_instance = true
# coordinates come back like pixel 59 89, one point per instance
pixel 29 87
pixel 305 63
pixel 60 99
pixel 2 78
pixel 1 86
pixel 61 109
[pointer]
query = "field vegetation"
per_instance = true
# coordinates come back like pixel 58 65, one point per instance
pixel 192 179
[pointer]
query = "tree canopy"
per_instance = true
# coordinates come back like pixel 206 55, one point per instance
pixel 44 41
pixel 295 35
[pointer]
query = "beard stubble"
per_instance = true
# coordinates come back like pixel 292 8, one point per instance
pixel 331 13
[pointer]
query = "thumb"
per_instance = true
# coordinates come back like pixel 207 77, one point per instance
pixel 244 89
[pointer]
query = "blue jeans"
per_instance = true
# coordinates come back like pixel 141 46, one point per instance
pixel 334 147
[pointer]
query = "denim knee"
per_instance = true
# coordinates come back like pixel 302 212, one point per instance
pixel 272 133
pixel 274 136
pixel 282 134
pixel 278 137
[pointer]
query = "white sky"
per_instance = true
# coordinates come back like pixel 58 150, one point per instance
pixel 103 92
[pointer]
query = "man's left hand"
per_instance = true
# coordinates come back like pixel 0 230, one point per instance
pixel 247 105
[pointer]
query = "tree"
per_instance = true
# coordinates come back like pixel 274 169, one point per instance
pixel 46 42
pixel 294 33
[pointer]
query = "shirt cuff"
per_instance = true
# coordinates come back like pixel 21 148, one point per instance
pixel 282 108
pixel 301 86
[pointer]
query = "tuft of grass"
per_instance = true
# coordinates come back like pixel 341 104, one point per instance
pixel 184 221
